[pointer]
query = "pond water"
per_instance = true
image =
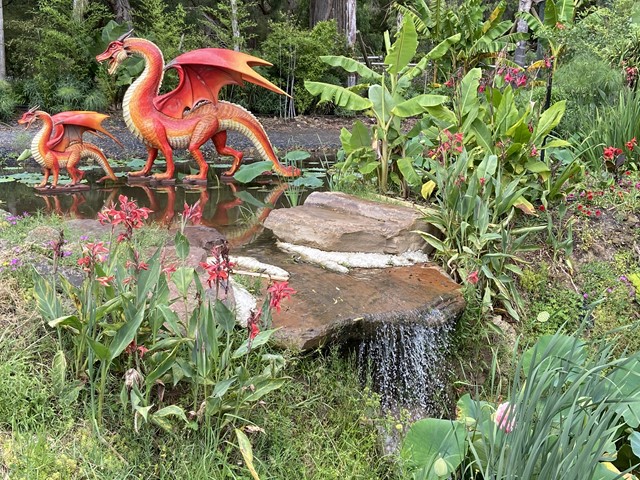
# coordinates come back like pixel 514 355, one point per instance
pixel 232 208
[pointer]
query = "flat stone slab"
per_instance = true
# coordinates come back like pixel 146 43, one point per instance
pixel 333 308
pixel 335 221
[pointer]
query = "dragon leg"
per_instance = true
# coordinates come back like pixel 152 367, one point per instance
pixel 152 153
pixel 220 142
pixel 46 172
pixel 75 174
pixel 168 156
pixel 55 168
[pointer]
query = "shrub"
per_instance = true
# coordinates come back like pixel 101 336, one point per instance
pixel 294 53
pixel 59 73
pixel 8 101
pixel 586 83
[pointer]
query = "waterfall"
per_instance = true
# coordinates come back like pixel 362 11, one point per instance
pixel 404 360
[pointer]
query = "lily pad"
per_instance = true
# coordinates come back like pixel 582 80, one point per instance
pixel 247 173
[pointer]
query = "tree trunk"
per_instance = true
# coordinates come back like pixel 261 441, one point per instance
pixel 343 12
pixel 522 27
pixel 122 11
pixel 3 60
pixel 235 31
pixel 79 6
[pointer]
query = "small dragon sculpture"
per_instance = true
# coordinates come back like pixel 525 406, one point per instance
pixel 191 114
pixel 59 143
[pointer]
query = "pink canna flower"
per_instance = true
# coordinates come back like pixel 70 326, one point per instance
pixel 473 278
pixel 505 417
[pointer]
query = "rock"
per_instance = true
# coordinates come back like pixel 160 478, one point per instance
pixel 42 236
pixel 335 221
pixel 335 308
pixel 92 229
pixel 203 236
pixel 342 261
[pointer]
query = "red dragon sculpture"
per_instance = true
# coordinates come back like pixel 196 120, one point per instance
pixel 59 143
pixel 191 114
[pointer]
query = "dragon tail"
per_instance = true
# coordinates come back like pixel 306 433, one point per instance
pixel 93 152
pixel 236 118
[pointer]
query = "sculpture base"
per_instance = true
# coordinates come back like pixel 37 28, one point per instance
pixel 48 189
pixel 194 181
pixel 149 180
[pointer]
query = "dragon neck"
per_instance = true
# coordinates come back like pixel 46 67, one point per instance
pixel 39 142
pixel 138 100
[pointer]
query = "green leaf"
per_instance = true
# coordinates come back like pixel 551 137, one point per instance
pixel 431 439
pixel 70 321
pixel 360 136
pixel 436 52
pixel 182 245
pixel 172 410
pixel 46 298
pixel 403 49
pixel 58 372
pixel 548 121
pixel 263 388
pixel 126 333
pixel 297 156
pixel 634 440
pixel 382 102
pixel 162 368
pixel 26 153
pixel 248 172
pixel 262 338
pixel 101 351
pixel 223 386
pixel 341 96
pixel 182 278
pixel 350 65
pixel 554 351
pixel 469 91
pixel 418 105
pixel 247 452
pixel 405 165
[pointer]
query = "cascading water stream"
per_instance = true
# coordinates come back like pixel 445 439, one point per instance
pixel 404 359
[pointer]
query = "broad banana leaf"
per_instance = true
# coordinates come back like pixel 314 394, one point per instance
pixel 350 65
pixel 403 49
pixel 341 96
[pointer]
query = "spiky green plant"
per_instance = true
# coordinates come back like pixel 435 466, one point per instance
pixel 569 404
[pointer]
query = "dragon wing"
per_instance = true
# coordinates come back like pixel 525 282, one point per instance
pixel 202 73
pixel 68 127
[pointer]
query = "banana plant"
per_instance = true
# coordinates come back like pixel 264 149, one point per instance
pixel 379 148
pixel 480 39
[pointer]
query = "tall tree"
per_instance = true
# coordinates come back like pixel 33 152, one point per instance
pixel 3 60
pixel 79 6
pixel 343 12
pixel 522 27
pixel 122 11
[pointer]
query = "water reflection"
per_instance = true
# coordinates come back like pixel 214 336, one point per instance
pixel 237 213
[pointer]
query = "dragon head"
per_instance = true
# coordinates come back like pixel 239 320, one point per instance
pixel 116 53
pixel 29 117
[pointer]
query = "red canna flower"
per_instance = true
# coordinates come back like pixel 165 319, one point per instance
pixel 609 153
pixel 129 215
pixel 279 291
pixel 105 281
pixel 169 269
pixel 473 278
pixel 631 143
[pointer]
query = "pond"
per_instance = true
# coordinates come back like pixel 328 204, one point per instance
pixel 236 210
